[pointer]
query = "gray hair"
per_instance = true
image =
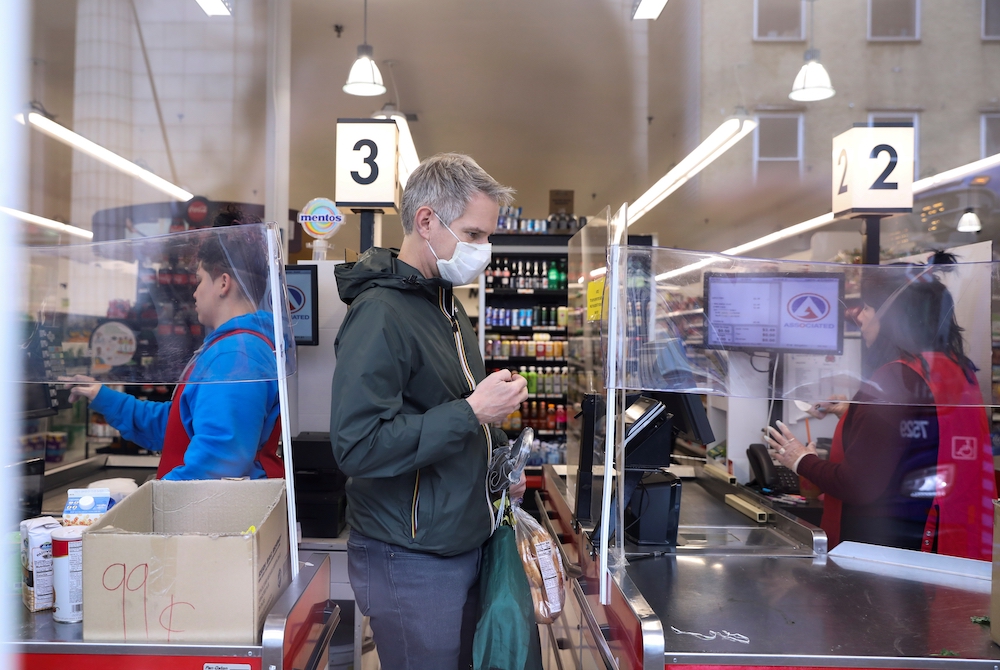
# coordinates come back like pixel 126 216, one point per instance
pixel 447 183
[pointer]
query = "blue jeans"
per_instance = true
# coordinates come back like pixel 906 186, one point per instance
pixel 423 607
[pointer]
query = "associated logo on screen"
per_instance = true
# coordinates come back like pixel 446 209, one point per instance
pixel 296 299
pixel 808 307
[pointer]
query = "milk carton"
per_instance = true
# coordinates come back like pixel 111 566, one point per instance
pixel 36 562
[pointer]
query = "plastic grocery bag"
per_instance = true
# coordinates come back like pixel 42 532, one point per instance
pixel 506 635
pixel 542 564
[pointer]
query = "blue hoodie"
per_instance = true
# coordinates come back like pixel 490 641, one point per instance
pixel 227 422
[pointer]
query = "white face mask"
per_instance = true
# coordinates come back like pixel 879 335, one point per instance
pixel 468 261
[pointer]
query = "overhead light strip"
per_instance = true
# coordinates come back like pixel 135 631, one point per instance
pixel 919 186
pixel 216 7
pixel 719 142
pixel 94 150
pixel 648 9
pixel 48 223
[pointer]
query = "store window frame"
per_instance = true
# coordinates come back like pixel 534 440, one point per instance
pixel 983 122
pixel 800 141
pixel 983 34
pixel 889 116
pixel 757 37
pixel 916 26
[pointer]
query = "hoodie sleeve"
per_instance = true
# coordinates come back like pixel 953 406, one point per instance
pixel 140 421
pixel 371 436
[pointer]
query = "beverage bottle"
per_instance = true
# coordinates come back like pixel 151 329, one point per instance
pixel 505 275
pixel 562 276
pixel 544 277
pixel 560 417
pixel 488 275
pixel 532 378
pixel 505 424
pixel 536 278
pixel 565 380
pixel 534 414
pixel 550 418
pixel 515 420
pixel 549 390
pixel 553 276
pixel 562 316
pixel 536 315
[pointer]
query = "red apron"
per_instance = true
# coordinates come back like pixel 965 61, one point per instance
pixel 960 520
pixel 176 438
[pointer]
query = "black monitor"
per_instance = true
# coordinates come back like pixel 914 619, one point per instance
pixel 39 400
pixel 690 421
pixel 303 303
pixel 778 312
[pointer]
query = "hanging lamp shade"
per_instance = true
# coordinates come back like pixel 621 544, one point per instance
pixel 969 223
pixel 812 83
pixel 365 78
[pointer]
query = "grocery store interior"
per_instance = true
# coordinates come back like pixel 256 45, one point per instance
pixel 711 119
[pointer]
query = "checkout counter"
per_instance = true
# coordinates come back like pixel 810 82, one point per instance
pixel 735 592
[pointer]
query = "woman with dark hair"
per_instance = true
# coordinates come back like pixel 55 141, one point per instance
pixel 911 463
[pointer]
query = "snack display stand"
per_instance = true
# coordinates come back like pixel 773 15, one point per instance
pixel 733 591
pixel 70 288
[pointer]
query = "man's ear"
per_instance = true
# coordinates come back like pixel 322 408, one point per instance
pixel 422 221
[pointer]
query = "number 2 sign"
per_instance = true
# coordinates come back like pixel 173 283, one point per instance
pixel 367 176
pixel 873 171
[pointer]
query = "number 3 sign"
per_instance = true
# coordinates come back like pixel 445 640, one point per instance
pixel 367 177
pixel 873 171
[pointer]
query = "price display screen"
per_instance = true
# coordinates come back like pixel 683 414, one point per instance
pixel 781 313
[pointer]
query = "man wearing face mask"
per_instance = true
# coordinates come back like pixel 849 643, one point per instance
pixel 411 415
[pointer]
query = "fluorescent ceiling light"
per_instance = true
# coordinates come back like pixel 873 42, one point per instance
pixel 725 136
pixel 408 158
pixel 919 186
pixel 94 150
pixel 648 9
pixel 47 223
pixel 216 7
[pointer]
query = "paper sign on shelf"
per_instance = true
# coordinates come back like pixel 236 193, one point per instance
pixel 595 299
pixel 873 170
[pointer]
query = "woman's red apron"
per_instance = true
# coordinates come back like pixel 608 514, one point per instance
pixel 960 521
pixel 176 438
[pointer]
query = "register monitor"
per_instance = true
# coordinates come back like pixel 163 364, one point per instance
pixel 303 303
pixel 787 313
pixel 653 421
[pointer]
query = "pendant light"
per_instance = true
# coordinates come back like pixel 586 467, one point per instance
pixel 365 78
pixel 969 223
pixel 812 83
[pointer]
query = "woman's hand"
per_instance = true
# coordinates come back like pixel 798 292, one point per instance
pixel 82 386
pixel 785 447
pixel 837 406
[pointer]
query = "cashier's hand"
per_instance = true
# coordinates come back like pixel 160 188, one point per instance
pixel 498 395
pixel 836 405
pixel 785 447
pixel 82 386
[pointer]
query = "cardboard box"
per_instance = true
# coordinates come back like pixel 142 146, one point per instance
pixel 193 562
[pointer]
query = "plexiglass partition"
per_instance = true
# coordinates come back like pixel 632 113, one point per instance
pixel 834 329
pixel 134 312
pixel 899 353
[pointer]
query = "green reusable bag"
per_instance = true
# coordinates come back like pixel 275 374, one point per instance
pixel 506 635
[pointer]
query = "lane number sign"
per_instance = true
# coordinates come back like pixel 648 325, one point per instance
pixel 873 171
pixel 367 161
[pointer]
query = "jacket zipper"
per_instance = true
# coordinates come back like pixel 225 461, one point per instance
pixel 464 361
pixel 415 507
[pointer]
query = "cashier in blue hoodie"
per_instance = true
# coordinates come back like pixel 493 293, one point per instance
pixel 214 430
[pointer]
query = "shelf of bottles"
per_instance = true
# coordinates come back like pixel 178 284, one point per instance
pixel 525 324
pixel 512 223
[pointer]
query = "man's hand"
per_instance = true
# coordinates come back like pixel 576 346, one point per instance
pixel 516 490
pixel 498 395
pixel 82 386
